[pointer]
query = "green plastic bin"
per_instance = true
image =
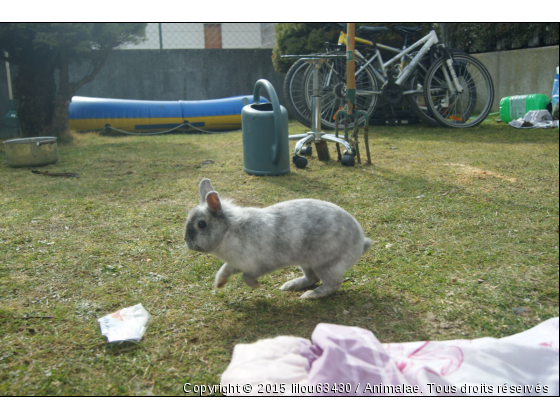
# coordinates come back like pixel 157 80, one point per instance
pixel 514 107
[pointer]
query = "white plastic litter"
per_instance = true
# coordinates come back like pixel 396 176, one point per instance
pixel 128 324
pixel 535 119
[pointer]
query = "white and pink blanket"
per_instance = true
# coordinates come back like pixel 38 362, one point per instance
pixel 344 360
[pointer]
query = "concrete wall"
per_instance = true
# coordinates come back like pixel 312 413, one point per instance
pixel 173 75
pixel 521 72
pixel 182 74
pixel 211 74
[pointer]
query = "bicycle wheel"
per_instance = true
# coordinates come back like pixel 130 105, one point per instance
pixel 459 109
pixel 294 93
pixel 332 82
pixel 416 100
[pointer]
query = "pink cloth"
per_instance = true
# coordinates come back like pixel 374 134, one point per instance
pixel 351 361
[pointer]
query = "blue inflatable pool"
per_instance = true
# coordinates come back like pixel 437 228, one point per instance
pixel 95 114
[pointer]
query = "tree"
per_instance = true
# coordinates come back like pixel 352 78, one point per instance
pixel 43 53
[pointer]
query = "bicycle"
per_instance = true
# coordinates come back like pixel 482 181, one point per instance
pixel 299 100
pixel 442 86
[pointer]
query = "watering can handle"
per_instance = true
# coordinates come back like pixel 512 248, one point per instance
pixel 267 86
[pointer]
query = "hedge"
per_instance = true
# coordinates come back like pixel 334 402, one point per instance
pixel 306 38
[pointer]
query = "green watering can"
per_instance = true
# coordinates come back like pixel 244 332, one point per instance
pixel 265 134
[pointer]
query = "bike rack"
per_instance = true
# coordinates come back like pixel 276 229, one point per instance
pixel 347 118
pixel 316 135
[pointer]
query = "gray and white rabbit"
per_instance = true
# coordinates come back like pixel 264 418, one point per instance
pixel 320 237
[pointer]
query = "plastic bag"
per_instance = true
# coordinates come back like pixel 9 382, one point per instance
pixel 535 119
pixel 128 324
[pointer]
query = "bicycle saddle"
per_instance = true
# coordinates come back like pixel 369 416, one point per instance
pixel 370 31
pixel 407 30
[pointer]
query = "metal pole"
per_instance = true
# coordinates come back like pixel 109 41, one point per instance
pixel 9 76
pixel 316 117
pixel 160 37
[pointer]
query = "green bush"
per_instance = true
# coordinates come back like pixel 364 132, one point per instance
pixel 297 39
pixel 307 38
pixel 481 37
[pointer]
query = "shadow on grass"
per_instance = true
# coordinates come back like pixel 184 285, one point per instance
pixel 488 132
pixel 388 318
pixel 122 347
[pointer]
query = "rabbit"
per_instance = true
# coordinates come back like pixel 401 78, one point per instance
pixel 320 237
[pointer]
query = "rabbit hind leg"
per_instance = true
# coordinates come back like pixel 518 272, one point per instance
pixel 332 280
pixel 309 279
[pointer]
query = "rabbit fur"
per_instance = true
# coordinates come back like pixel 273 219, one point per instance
pixel 320 237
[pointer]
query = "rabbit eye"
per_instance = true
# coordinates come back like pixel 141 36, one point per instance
pixel 202 224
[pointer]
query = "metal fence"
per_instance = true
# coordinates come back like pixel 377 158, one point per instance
pixel 206 36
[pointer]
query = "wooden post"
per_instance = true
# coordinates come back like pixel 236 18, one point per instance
pixel 351 82
pixel 350 67
pixel 322 151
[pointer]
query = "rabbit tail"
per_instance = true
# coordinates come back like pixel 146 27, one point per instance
pixel 367 244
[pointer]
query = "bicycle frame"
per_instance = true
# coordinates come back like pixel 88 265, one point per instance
pixel 428 41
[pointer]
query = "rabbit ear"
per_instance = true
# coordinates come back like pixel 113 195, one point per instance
pixel 213 201
pixel 204 188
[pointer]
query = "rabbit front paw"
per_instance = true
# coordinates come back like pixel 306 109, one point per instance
pixel 223 274
pixel 220 282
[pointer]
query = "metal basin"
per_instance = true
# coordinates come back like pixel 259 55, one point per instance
pixel 31 151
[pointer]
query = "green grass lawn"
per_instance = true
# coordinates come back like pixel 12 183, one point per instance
pixel 464 223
